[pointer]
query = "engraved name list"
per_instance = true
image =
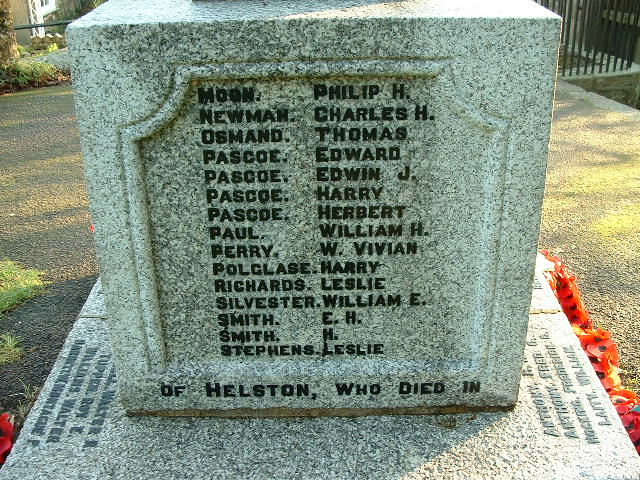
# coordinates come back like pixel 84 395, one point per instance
pixel 335 174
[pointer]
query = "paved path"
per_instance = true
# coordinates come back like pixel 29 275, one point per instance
pixel 592 210
pixel 591 217
pixel 43 224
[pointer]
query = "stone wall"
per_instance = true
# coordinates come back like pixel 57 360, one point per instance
pixel 42 43
pixel 621 86
pixel 20 17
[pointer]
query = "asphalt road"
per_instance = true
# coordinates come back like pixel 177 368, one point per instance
pixel 591 219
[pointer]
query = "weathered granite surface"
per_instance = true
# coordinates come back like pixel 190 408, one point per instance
pixel 383 187
pixel 563 428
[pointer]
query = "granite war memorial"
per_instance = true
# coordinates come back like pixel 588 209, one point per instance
pixel 290 227
pixel 319 209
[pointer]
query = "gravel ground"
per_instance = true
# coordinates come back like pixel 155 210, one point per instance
pixel 591 219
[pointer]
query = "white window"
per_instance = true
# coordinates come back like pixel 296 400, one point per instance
pixel 47 6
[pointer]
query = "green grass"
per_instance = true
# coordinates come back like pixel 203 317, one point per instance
pixel 17 284
pixel 30 395
pixel 10 349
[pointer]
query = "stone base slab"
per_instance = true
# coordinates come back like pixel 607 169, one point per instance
pixel 563 427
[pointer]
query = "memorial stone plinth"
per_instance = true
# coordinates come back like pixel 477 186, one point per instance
pixel 308 208
pixel 564 426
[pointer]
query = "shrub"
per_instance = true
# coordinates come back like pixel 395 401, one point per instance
pixel 21 73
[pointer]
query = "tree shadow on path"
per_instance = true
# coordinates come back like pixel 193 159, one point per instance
pixel 44 224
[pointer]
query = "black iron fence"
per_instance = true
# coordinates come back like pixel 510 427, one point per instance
pixel 38 25
pixel 597 35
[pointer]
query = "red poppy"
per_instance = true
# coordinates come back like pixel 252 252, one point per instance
pixel 578 315
pixel 568 294
pixel 598 345
pixel 607 373
pixel 624 400
pixel 605 349
pixel 592 336
pixel 631 422
pixel 6 436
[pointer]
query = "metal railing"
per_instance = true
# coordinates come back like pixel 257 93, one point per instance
pixel 37 25
pixel 596 34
